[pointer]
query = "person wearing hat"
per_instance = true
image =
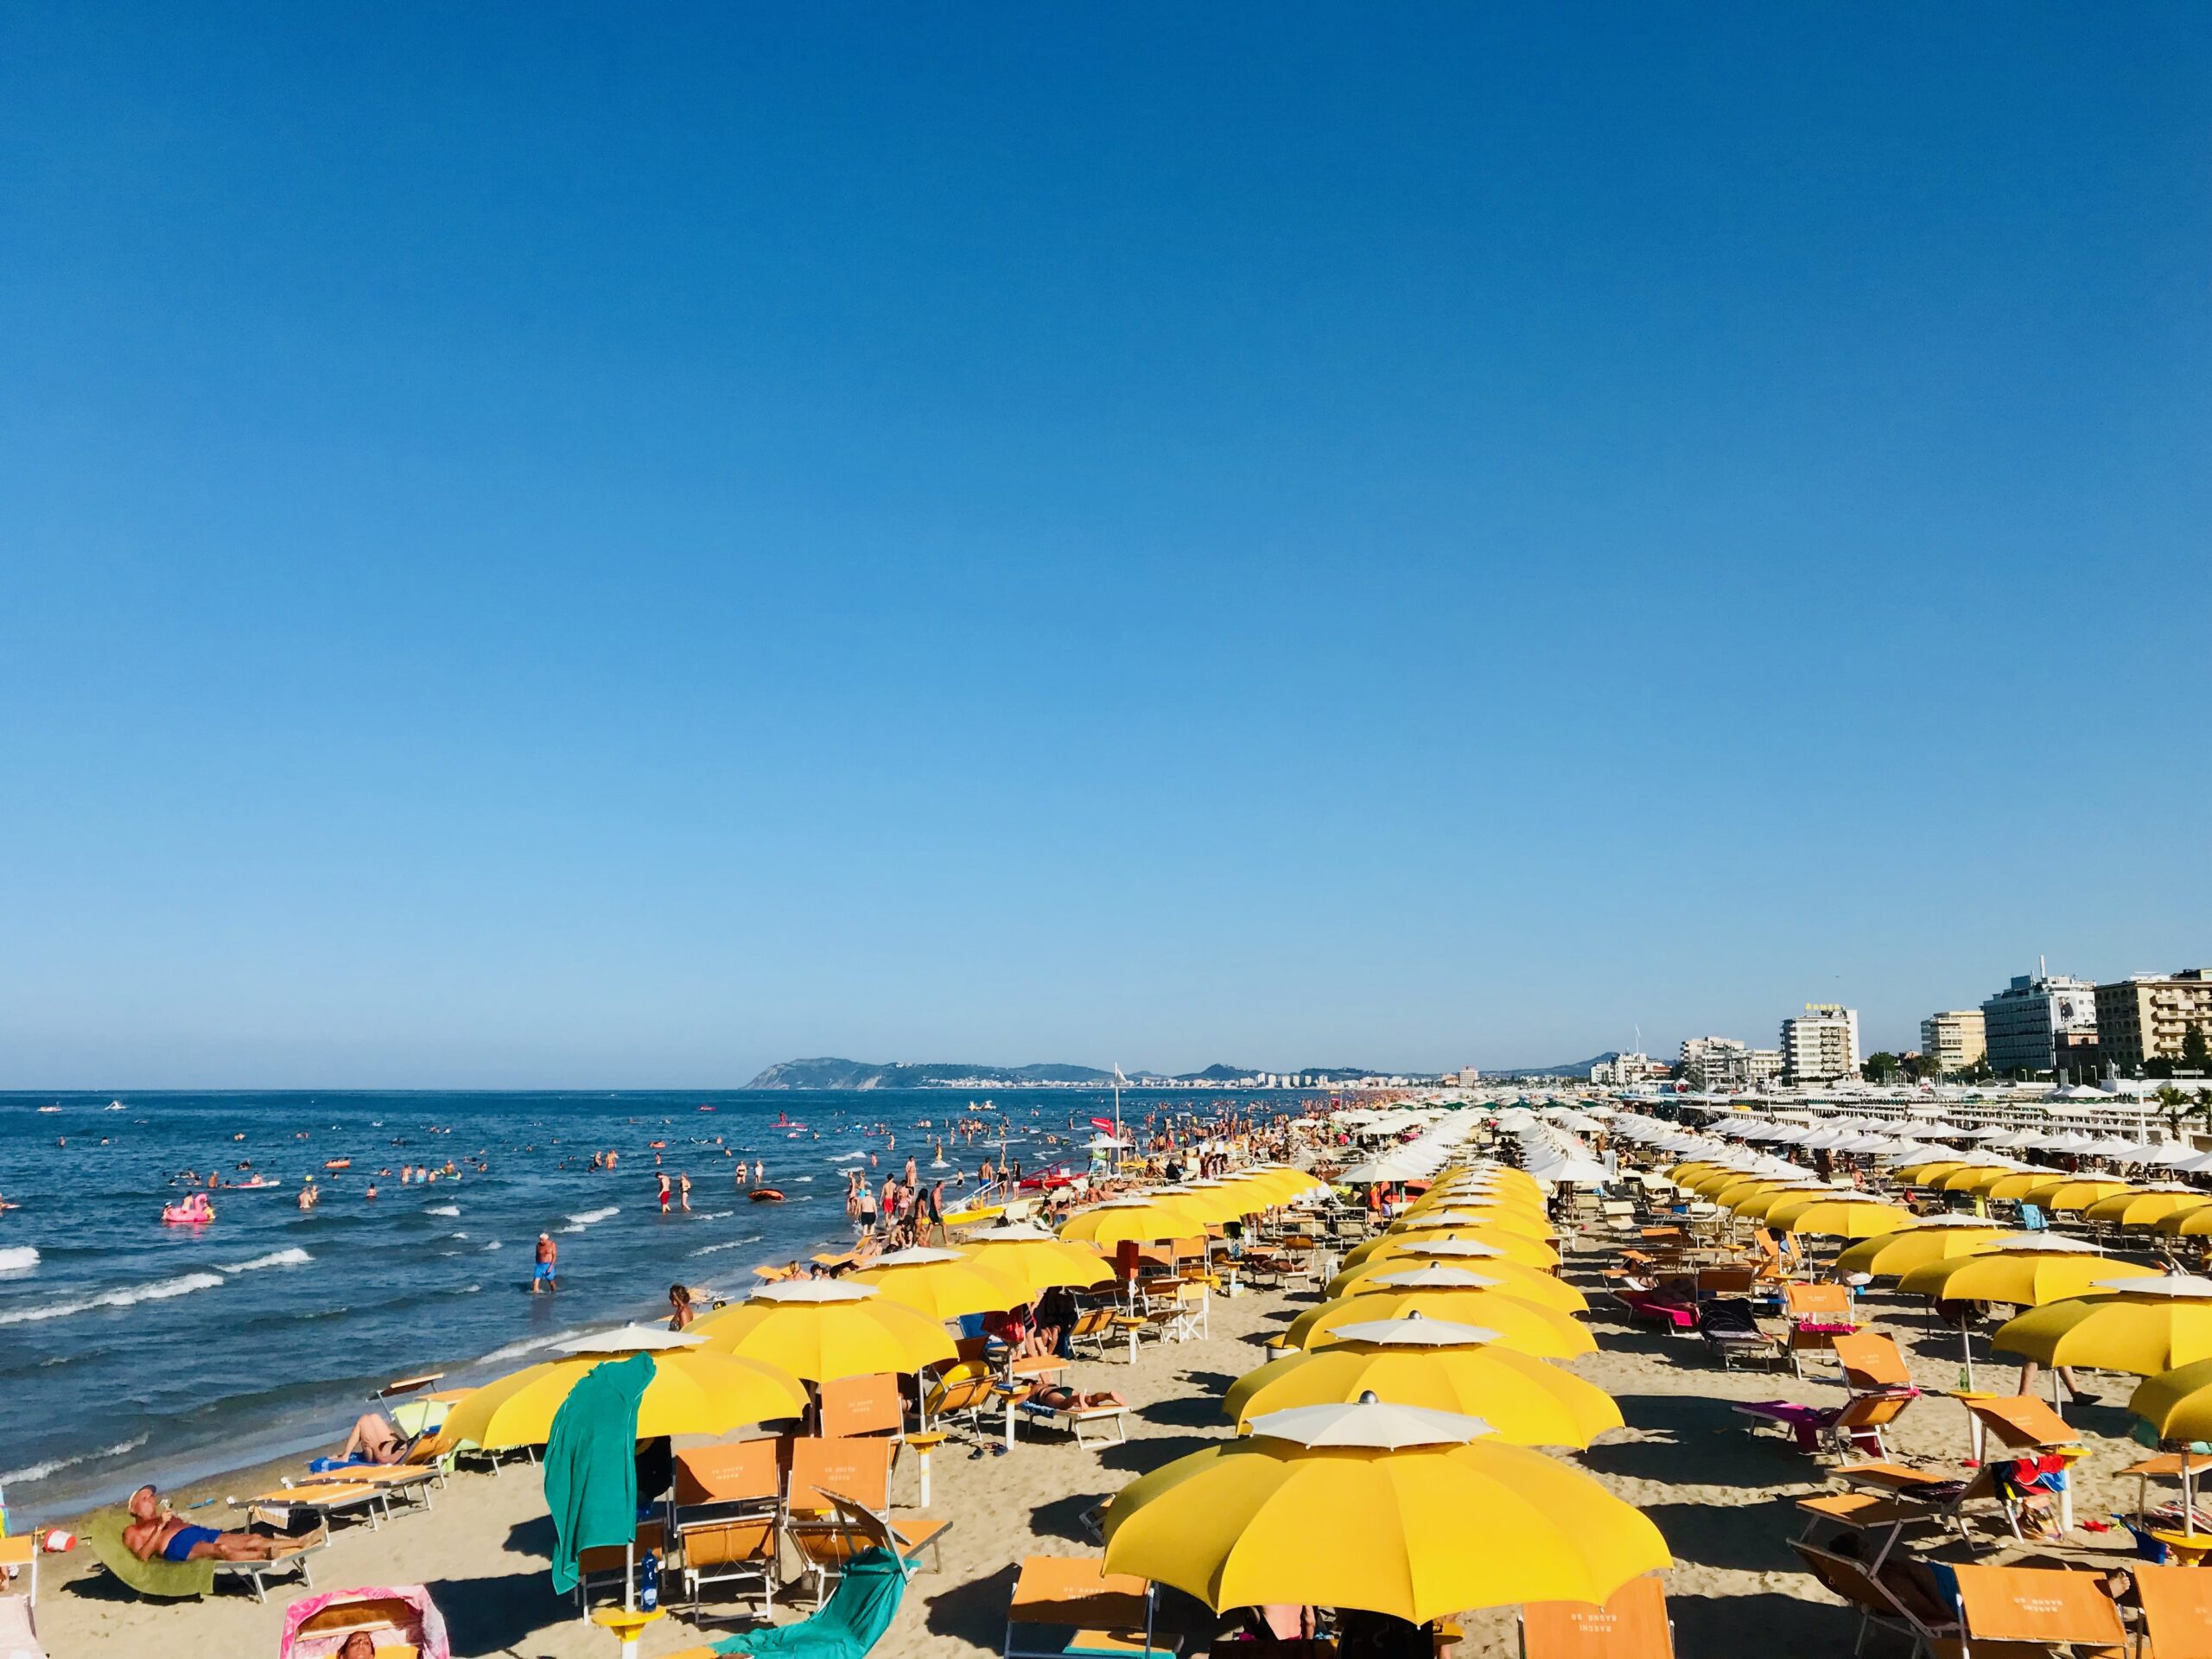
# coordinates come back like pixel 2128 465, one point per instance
pixel 547 1254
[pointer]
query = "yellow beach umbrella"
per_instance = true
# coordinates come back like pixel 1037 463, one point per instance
pixel 1039 1259
pixel 2186 1224
pixel 1923 1173
pixel 1530 1284
pixel 2145 1209
pixel 1974 1178
pixel 1139 1220
pixel 1387 1509
pixel 2019 1183
pixel 943 1285
pixel 1729 1192
pixel 1443 1221
pixel 1454 1293
pixel 2071 1192
pixel 1220 1201
pixel 1935 1239
pixel 2144 1324
pixel 1840 1217
pixel 1708 1182
pixel 1758 1206
pixel 693 1391
pixel 1439 1364
pixel 824 1329
pixel 2177 1404
pixel 1514 1247
pixel 1446 1198
pixel 2027 1268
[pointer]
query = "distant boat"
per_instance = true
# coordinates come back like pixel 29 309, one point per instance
pixel 49 1108
pixel 113 1106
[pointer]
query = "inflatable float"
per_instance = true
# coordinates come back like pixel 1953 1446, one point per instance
pixel 766 1195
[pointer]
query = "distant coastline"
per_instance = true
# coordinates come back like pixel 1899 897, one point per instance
pixel 830 1072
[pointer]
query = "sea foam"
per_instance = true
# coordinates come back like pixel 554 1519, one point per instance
pixel 295 1257
pixel 54 1466
pixel 18 1258
pixel 125 1296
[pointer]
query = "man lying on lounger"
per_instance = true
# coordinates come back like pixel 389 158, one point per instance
pixel 155 1535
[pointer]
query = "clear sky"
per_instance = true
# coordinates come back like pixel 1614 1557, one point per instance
pixel 618 544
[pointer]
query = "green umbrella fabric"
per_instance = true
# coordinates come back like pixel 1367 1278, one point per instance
pixel 174 1580
pixel 858 1612
pixel 591 1470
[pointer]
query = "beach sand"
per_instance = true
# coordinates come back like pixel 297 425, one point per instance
pixel 1721 1496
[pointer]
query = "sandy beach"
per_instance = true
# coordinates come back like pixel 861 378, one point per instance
pixel 1721 1494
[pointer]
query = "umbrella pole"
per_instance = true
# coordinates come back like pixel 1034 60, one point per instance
pixel 2188 1495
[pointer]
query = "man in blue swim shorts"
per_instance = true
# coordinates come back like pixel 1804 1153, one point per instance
pixel 549 1255
pixel 155 1535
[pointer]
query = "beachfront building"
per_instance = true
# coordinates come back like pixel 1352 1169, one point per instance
pixel 1954 1039
pixel 2019 1022
pixel 1821 1045
pixel 2147 1016
pixel 1721 1066
pixel 1622 1071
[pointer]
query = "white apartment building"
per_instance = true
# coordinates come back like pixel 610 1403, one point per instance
pixel 1954 1039
pixel 1621 1071
pixel 1821 1045
pixel 2021 1020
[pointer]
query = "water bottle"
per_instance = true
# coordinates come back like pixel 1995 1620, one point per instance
pixel 648 1592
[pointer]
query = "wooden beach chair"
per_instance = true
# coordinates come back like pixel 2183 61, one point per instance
pixel 727 1514
pixel 1063 1608
pixel 1631 1624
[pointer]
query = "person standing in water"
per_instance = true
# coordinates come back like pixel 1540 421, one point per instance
pixel 683 1190
pixel 549 1255
pixel 663 1178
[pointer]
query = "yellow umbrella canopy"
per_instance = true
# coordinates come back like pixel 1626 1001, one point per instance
pixel 1923 1173
pixel 1935 1239
pixel 1454 1293
pixel 1443 1221
pixel 1706 1182
pixel 1385 1508
pixel 1974 1178
pixel 2069 1192
pixel 2186 1224
pixel 1220 1201
pixel 1841 1217
pixel 2144 1324
pixel 1039 1259
pixel 693 1391
pixel 1683 1174
pixel 1530 1284
pixel 2029 1268
pixel 943 1285
pixel 2145 1209
pixel 1729 1192
pixel 1515 1247
pixel 1439 1364
pixel 1459 1194
pixel 2178 1404
pixel 1140 1221
pixel 2018 1183
pixel 823 1329
pixel 1759 1207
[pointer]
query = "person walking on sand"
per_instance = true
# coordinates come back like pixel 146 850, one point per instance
pixel 549 1255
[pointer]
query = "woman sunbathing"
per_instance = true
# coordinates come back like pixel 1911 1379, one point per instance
pixel 374 1440
pixel 1060 1399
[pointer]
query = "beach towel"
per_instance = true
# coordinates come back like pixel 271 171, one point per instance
pixel 170 1579
pixel 850 1623
pixel 316 1626
pixel 591 1472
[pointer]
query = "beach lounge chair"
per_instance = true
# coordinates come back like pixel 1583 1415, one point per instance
pixel 401 1621
pixel 830 1478
pixel 1631 1624
pixel 1731 1333
pixel 1074 1419
pixel 178 1581
pixel 850 1623
pixel 609 1566
pixel 336 1497
pixel 1870 1593
pixel 964 1390
pixel 2177 1610
pixel 1817 1315
pixel 1063 1608
pixel 2048 1609
pixel 1852 1429
pixel 727 1514
pixel 19 1554
pixel 853 1405
pixel 1872 1363
pixel 1092 1324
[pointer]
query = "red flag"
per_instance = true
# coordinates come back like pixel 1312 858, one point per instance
pixel 1105 1123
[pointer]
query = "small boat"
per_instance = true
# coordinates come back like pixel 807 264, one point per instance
pixel 766 1195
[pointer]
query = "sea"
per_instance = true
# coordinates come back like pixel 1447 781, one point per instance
pixel 131 1350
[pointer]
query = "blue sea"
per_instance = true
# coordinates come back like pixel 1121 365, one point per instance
pixel 133 1351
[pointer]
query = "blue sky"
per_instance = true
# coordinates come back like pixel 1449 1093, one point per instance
pixel 549 545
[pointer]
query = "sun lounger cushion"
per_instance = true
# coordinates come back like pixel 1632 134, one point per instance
pixel 170 1581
